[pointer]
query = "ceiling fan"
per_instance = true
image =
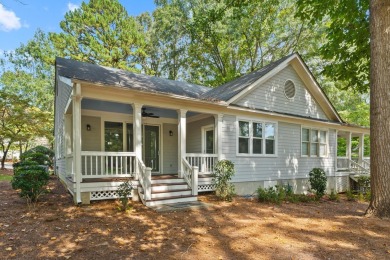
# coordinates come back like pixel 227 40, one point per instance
pixel 146 114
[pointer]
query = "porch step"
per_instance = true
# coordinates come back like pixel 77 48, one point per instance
pixel 169 194
pixel 170 200
pixel 167 181
pixel 169 187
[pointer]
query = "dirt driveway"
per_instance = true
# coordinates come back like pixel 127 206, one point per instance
pixel 243 229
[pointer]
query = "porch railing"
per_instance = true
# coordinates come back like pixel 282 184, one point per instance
pixel 107 164
pixel 144 176
pixel 204 162
pixel 190 175
pixel 343 163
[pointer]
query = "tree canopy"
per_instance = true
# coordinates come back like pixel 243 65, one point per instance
pixel 100 32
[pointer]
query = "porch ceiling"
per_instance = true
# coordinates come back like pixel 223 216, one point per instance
pixel 116 107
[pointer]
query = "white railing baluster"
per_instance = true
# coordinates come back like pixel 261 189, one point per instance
pixel 107 164
pixel 204 162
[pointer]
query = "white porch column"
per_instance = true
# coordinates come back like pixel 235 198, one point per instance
pixel 76 106
pixel 349 147
pixel 218 134
pixel 361 148
pixel 137 133
pixel 182 133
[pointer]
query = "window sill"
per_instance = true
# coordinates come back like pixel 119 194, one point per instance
pixel 256 155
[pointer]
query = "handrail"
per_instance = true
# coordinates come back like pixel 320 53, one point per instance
pixel 144 176
pixel 108 153
pixel 355 165
pixel 190 175
pixel 201 155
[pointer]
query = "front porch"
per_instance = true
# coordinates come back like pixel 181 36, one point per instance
pixel 107 142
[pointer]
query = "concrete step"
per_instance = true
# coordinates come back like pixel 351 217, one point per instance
pixel 170 200
pixel 167 194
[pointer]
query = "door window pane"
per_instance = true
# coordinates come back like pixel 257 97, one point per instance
pixel 152 147
pixel 113 136
pixel 244 128
pixel 243 145
pixel 257 146
pixel 209 141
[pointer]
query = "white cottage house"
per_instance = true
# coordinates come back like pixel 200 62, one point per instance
pixel 275 124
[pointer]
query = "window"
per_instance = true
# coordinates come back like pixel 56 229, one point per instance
pixel 256 138
pixel 314 142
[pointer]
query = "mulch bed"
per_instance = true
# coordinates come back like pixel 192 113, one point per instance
pixel 242 229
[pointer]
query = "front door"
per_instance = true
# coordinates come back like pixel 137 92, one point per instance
pixel 152 147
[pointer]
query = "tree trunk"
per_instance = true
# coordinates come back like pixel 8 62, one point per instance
pixel 380 108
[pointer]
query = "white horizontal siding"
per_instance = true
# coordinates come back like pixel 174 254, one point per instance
pixel 194 134
pixel 270 96
pixel 287 165
pixel 63 93
pixel 170 149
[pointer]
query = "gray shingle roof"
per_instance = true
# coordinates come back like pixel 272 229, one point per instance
pixel 109 76
pixel 232 88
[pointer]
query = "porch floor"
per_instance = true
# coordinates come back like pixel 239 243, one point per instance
pixel 154 177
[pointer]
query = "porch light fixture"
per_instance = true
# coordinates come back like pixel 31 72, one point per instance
pixel 170 133
pixel 88 127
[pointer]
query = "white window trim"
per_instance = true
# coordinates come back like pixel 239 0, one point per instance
pixel 251 121
pixel 319 143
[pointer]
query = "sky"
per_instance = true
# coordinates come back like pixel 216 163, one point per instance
pixel 19 19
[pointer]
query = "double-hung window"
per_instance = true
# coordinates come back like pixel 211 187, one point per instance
pixel 256 138
pixel 314 142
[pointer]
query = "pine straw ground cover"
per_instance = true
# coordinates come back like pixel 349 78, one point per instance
pixel 242 229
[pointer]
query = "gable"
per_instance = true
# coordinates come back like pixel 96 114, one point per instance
pixel 270 95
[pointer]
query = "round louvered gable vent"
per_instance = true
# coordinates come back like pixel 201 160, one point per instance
pixel 289 89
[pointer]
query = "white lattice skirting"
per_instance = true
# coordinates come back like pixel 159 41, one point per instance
pixel 206 187
pixel 104 195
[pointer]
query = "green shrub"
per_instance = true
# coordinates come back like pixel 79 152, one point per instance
pixel 39 154
pixel 223 173
pixel 333 196
pixel 364 183
pixel 350 196
pixel 317 179
pixel 278 194
pixel 124 192
pixel 31 180
pixel 270 194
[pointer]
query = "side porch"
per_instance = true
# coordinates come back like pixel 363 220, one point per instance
pixel 353 157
